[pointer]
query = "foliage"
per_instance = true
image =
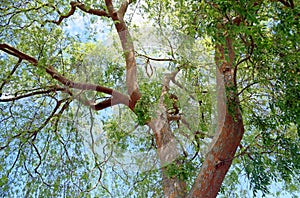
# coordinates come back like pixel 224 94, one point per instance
pixel 53 143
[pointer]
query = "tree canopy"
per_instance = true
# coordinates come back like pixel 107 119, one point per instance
pixel 149 98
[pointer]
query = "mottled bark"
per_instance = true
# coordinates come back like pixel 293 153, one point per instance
pixel 167 149
pixel 168 153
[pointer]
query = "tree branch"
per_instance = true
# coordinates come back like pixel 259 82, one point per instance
pixel 14 52
pixel 128 50
pixel 52 89
pixel 117 97
pixel 247 86
pixel 110 7
pixel 251 84
pixel 58 104
pixel 155 59
pixel 202 134
pixel 124 7
pixel 82 7
pixel 244 59
pixel 9 76
pixel 173 79
pixel 96 12
pixel 15 11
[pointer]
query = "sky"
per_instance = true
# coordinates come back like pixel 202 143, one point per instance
pixel 75 27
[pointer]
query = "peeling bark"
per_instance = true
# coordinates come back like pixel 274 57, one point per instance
pixel 168 153
pixel 167 149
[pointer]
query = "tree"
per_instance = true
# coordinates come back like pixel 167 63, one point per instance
pixel 57 90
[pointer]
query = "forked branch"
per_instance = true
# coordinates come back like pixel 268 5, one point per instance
pixel 82 7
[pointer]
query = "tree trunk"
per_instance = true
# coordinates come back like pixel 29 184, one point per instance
pixel 229 132
pixel 167 146
pixel 168 153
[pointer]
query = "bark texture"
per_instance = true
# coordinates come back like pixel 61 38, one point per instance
pixel 230 128
pixel 167 148
pixel 168 153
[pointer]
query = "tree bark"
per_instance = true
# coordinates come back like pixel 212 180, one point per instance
pixel 229 132
pixel 167 149
pixel 128 49
pixel 168 153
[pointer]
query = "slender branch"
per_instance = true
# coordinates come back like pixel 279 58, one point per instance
pixel 200 133
pixel 155 59
pixel 10 139
pixel 16 159
pixel 253 83
pixel 94 153
pixel 244 59
pixel 39 156
pixel 10 74
pixel 82 7
pixel 247 86
pixel 173 79
pixel 58 116
pixel 17 11
pixel 54 89
pixel 58 104
pixel 244 151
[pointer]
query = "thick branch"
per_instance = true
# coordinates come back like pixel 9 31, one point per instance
pixel 97 12
pixel 82 7
pixel 110 7
pixel 128 49
pixel 167 145
pixel 230 128
pixel 14 52
pixel 117 97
